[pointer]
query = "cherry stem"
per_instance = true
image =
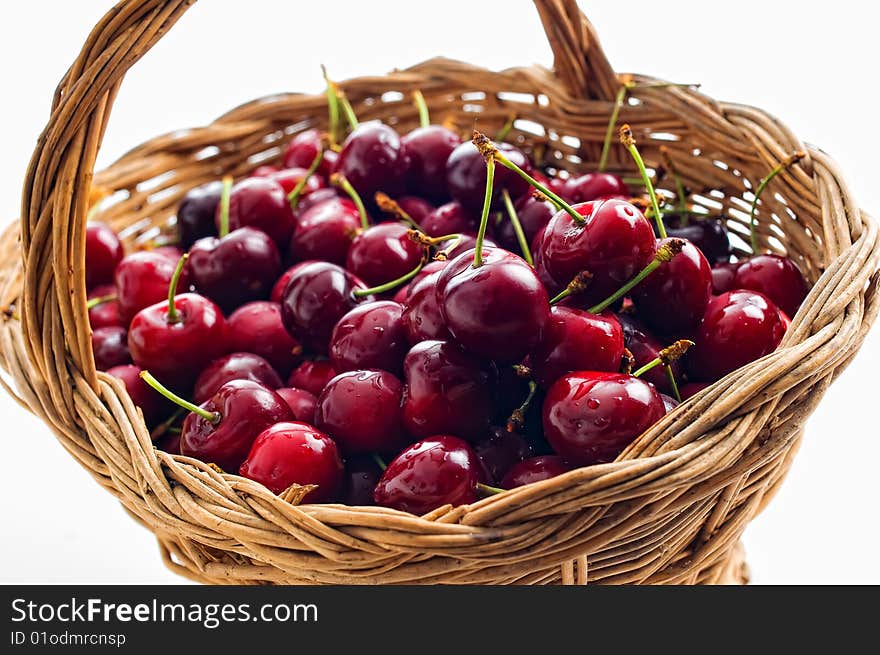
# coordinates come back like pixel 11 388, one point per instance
pixel 294 196
pixel 672 383
pixel 390 286
pixel 224 205
pixel 753 223
pixel 517 227
pixel 666 356
pixel 422 106
pixel 679 185
pixel 518 416
pixel 578 285
pixel 504 132
pixel 347 108
pixel 338 179
pixel 626 138
pixel 332 109
pixel 484 217
pixel 165 426
pixel 489 490
pixel 664 254
pixel 443 255
pixel 213 417
pixel 173 314
pixel 612 123
pixel 100 300
pixel 379 461
pixel 388 205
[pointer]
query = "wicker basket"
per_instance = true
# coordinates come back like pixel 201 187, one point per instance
pixel 670 510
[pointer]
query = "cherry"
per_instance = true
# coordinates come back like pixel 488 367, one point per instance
pixel 421 316
pixel 450 218
pixel 315 198
pixel 281 282
pixel 669 403
pixel 104 251
pixel 497 308
pixel 383 253
pixel 500 451
pixel 301 402
pixel 427 150
pixel 257 328
pixel 535 469
pixel 576 340
pixel 533 215
pixel 674 297
pixel 196 212
pixel 436 471
pixel 447 391
pixel 104 307
pixel 590 417
pixel 692 389
pixel 302 150
pixel 371 335
pixel 417 208
pixel 295 453
pixel 314 300
pixel 707 234
pixel 372 159
pixel 325 231
pixel 259 203
pixel 289 178
pixel 466 243
pixel 427 269
pixel 776 277
pixel 362 474
pixel 235 366
pixel 266 170
pixel 151 403
pixel 361 410
pixel 724 277
pixel 142 279
pixel 466 176
pixel 594 186
pixel 645 348
pixel 171 252
pixel 110 347
pixel 739 327
pixel 312 376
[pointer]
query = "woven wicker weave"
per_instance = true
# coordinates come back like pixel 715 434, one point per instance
pixel 670 510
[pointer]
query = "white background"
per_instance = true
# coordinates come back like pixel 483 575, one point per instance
pixel 811 64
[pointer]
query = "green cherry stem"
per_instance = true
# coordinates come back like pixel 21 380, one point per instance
pixel 347 108
pixel 213 417
pixel 672 383
pixel 489 490
pixel 518 416
pixel 612 123
pixel 422 106
pixel 484 217
pixel 664 254
pixel 517 227
pixel 626 138
pixel 173 314
pixel 393 284
pixel 666 356
pixel 578 285
pixel 504 132
pixel 339 180
pixel 294 196
pixel 332 110
pixel 679 185
pixel 753 223
pixel 379 461
pixel 100 300
pixel 165 425
pixel 224 205
pixel 388 205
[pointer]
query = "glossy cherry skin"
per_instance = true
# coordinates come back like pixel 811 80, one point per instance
pixel 104 251
pixel 776 277
pixel 325 231
pixel 257 328
pixel 175 352
pixel 362 474
pixel 372 159
pixel 427 269
pixel 669 403
pixel 533 215
pixel 371 335
pixel 361 411
pixel 143 278
pixel 535 469
pixel 594 186
pixel 302 150
pixel 614 242
pixel 421 316
pixel 498 310
pixel 467 243
pixel 707 234
pixel 383 253
pixel 450 218
pixel 590 417
pixel 427 150
pixel 674 297
pixel 260 203
pixel 466 176
pixel 281 282
pixel 692 389
pixel 110 347
pixel 234 269
pixel 447 391
pixel 418 208
pixel 245 409
pixel 645 348
pixel 266 170
pixel 195 214
pixel 724 277
pixel 436 471
pixel 314 300
pixel 106 314
pixel 295 453
pixel 289 178
pixel 312 375
pixel 234 366
pixel 500 451
pixel 575 340
pixel 153 406
pixel 739 327
pixel 301 402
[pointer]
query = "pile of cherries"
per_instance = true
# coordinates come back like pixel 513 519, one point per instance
pixel 414 321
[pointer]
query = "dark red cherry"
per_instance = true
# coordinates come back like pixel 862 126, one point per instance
pixel 383 253
pixel 110 347
pixel 301 402
pixel 106 313
pixel 153 406
pixel 450 218
pixel 426 150
pixel 312 375
pixel 302 150
pixel 724 277
pixel 257 328
pixel 325 231
pixel 692 389
pixel 266 170
pixel 436 471
pixel 315 298
pixel 590 417
pixel 104 251
pixel 707 234
pixel 142 279
pixel 315 198
pixel 674 297
pixel 776 277
pixel 739 327
pixel 614 242
pixel 236 268
pixel 172 252
pixel 372 159
pixel 447 391
pixel 536 469
pixel 235 366
pixel 575 340
pixel 418 208
pixel 645 348
pixel 533 215
pixel 175 350
pixel 195 214
pixel 281 282
pixel 427 269
pixel 371 335
pixel 557 183
pixel 289 179
pixel 499 309
pixel 466 176
pixel 242 410
pixel 362 474
pixel 594 186
pixel 260 203
pixel 500 451
pixel 421 316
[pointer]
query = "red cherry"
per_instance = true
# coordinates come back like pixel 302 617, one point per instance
pixel 466 176
pixel 260 203
pixel 235 366
pixel 427 269
pixel 724 277
pixel 738 327
pixel 669 403
pixel 312 376
pixel 104 251
pixel 195 214
pixel 707 234
pixel 447 391
pixel 535 469
pixel 302 150
pixel 315 198
pixel 362 475
pixel 142 279
pixel 594 186
pixel 281 282
pixel 450 218
pixel 437 471
pixel 421 316
pixel 427 150
pixel 500 451
pixel 467 243
pixel 417 208
pixel 776 277
pixel 383 253
pixel 372 159
pixel 266 170
pixel 645 348
pixel 301 402
pixel 295 453
pixel 171 252
pixel 692 389
pixel 371 335
pixel 110 348
pixel 106 313
pixel 325 231
pixel 257 328
pixel 590 417
pixel 152 405
pixel 533 215
pixel 289 179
